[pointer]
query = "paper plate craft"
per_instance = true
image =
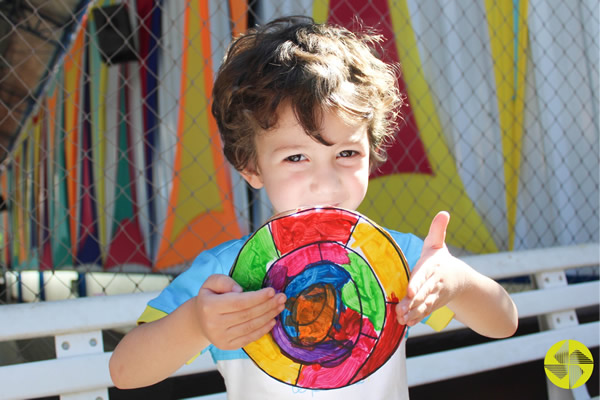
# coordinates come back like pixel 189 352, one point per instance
pixel 342 275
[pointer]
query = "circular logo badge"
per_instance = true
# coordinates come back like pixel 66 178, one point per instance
pixel 568 364
pixel 342 275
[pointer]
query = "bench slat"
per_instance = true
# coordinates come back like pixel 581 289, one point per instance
pixel 29 320
pixel 528 262
pixel 492 355
pixel 89 372
pixel 71 375
pixel 536 302
pixel 25 321
pixel 62 375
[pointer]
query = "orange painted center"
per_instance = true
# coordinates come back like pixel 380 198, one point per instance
pixel 313 313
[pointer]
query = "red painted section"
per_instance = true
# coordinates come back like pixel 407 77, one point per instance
pixel 45 243
pixel 391 336
pixel 335 253
pixel 342 374
pixel 312 226
pixel 297 261
pixel 127 246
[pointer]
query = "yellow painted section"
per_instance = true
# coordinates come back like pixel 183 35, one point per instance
pixel 384 258
pixel 266 353
pixel 422 196
pixel 197 192
pixel 440 318
pixel 519 120
pixel 99 145
pixel 320 11
pixel 510 91
pixel 150 314
pixel 201 183
pixel 18 252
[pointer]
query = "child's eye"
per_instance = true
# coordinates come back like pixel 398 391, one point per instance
pixel 295 158
pixel 347 153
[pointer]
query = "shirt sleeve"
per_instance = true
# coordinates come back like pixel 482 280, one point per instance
pixel 183 288
pixel 411 247
pixel 213 261
pixel 188 283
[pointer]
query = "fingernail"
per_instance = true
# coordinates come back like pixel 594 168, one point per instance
pixel 237 288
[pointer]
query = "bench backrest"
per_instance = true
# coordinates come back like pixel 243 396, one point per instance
pixel 80 369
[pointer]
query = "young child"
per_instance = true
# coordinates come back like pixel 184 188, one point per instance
pixel 304 110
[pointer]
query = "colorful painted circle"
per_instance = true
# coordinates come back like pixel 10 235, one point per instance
pixel 342 275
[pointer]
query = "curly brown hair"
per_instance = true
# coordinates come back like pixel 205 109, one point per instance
pixel 314 68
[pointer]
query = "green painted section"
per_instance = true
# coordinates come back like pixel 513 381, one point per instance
pixel 258 253
pixel 370 296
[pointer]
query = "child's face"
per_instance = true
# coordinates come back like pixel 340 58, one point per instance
pixel 298 171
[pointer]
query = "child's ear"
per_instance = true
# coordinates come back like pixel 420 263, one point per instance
pixel 252 177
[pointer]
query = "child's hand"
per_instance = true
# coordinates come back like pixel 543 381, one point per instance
pixel 436 278
pixel 231 319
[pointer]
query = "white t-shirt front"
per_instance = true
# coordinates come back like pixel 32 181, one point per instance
pixel 245 381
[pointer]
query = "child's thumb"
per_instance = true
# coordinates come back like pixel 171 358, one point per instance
pixel 436 237
pixel 219 283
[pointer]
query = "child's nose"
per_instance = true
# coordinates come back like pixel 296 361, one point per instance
pixel 326 180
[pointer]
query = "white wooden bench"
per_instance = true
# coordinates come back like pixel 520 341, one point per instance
pixel 80 370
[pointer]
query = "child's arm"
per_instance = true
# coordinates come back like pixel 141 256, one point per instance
pixel 220 314
pixel 440 279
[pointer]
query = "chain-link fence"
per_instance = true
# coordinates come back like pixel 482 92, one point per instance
pixel 113 178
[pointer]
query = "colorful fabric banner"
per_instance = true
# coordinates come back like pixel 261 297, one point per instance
pixel 467 74
pixel 95 164
pixel 121 166
pixel 127 244
pixel 59 209
pixel 88 246
pixel 200 180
